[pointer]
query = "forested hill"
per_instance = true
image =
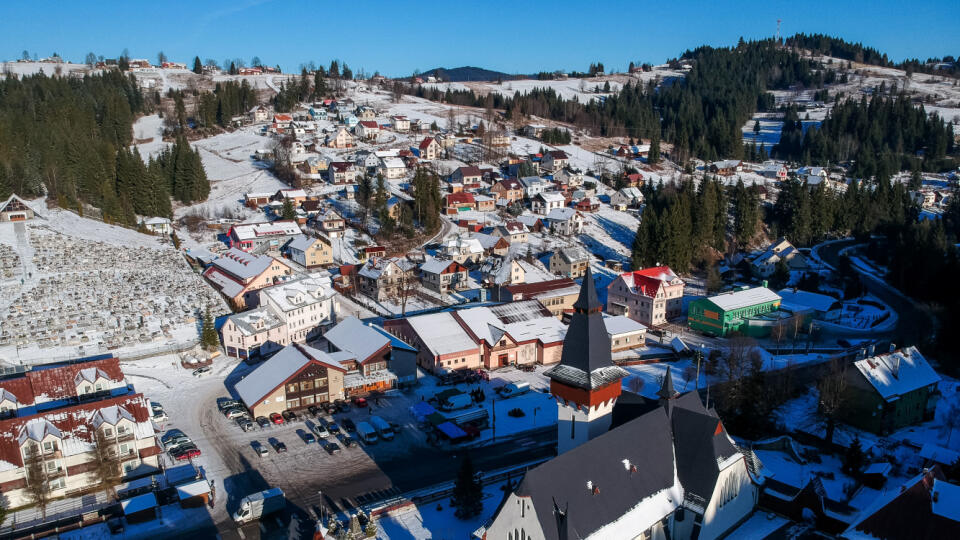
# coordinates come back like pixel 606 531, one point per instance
pixel 469 73
pixel 69 138
pixel 857 52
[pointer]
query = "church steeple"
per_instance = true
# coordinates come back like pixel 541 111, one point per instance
pixel 667 391
pixel 586 383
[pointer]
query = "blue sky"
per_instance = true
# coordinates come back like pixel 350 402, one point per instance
pixel 400 36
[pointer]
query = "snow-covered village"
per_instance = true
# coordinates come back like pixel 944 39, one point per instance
pixel 697 295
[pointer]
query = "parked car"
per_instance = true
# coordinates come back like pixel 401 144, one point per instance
pixel 331 447
pixel 226 403
pixel 185 452
pixel 306 436
pixel 234 412
pixel 278 446
pixel 245 423
pixel 332 427
pixel 199 372
pixel 349 425
pixel 262 421
pixel 159 416
pixel 276 418
pixel 329 408
pixel 342 406
pixel 289 415
pixel 313 410
pixel 320 430
pixel 260 449
pixel 347 440
pixel 173 433
pixel 359 402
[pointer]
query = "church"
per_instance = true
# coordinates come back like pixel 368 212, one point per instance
pixel 667 471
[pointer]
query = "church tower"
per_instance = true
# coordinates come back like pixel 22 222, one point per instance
pixel 585 383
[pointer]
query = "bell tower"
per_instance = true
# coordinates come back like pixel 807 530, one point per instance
pixel 585 383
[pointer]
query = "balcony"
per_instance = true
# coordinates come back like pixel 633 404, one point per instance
pixel 53 475
pixel 127 436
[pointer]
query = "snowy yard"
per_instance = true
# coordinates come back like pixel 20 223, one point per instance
pixel 435 520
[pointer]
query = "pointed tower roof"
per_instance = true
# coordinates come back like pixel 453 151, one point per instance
pixel 666 389
pixel 586 361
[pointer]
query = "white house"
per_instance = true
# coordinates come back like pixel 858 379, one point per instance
pixel 392 167
pixel 546 202
pixel 565 221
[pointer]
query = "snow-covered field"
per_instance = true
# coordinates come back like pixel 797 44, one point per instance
pixel 436 520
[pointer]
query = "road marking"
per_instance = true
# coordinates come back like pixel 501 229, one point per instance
pixel 241 535
pixel 263 528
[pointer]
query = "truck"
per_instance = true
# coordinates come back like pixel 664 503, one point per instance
pixel 255 506
pixel 514 389
pixel 382 427
pixel 366 432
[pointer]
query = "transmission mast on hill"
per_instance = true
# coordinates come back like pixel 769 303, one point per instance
pixel 778 30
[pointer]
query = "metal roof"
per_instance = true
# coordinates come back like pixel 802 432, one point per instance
pixel 745 298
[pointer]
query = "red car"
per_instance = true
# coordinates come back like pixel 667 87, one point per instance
pixel 183 454
pixel 359 402
pixel 276 418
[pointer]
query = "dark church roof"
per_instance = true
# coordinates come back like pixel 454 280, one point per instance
pixel 628 464
pixel 585 361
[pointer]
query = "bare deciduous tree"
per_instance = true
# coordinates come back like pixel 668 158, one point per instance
pixel 106 462
pixel 833 394
pixel 35 471
pixel 404 287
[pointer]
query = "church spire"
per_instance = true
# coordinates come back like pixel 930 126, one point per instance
pixel 666 388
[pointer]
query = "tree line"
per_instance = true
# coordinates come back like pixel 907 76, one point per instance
pixel 880 135
pixel 857 52
pixel 70 139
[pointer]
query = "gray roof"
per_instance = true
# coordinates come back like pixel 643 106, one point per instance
pixel 355 337
pixel 242 265
pixel 561 214
pixel 585 361
pixel 645 442
pixel 301 243
pixel 628 465
pixel 573 254
pixel 747 297
pixel 621 324
pixel 435 266
pixel 275 371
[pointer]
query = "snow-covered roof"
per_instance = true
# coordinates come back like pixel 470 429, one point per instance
pixel 573 254
pixel 441 333
pixel 561 214
pixel 353 336
pixel 435 266
pixel 621 324
pixel 815 301
pixel 551 196
pixel 946 500
pixel 193 489
pixel 242 265
pixel 257 320
pixel 156 221
pixel 139 503
pixel 248 231
pixel 302 243
pixel 747 297
pixel 269 375
pixel 375 267
pixel 302 292
pixel 393 163
pixel 897 373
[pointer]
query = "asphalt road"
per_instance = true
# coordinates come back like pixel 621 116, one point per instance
pixel 914 323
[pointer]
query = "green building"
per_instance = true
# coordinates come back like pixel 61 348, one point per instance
pixel 888 392
pixel 730 312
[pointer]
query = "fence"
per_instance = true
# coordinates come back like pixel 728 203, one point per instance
pixel 131 354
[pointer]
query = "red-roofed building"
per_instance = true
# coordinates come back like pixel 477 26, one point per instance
pixel 459 202
pixel 509 188
pixel 650 296
pixel 282 120
pixel 430 148
pixel 59 446
pixel 367 129
pixel 45 389
pixel 555 160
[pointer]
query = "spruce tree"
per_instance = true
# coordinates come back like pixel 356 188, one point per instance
pixel 208 333
pixel 653 156
pixel 197 66
pixel 288 212
pixel 467 492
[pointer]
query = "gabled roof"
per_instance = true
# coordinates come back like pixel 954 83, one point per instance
pixel 441 333
pixel 910 512
pixel 247 231
pixel 425 143
pixel 573 254
pixel 747 297
pixel 459 198
pixel 241 265
pixel 897 373
pixel 437 266
pixel 562 214
pixel 353 336
pixel 649 280
pixel 469 171
pixel 279 368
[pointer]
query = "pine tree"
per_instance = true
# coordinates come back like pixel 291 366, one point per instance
pixel 197 66
pixel 653 156
pixel 288 212
pixel 467 492
pixel 854 457
pixel 208 333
